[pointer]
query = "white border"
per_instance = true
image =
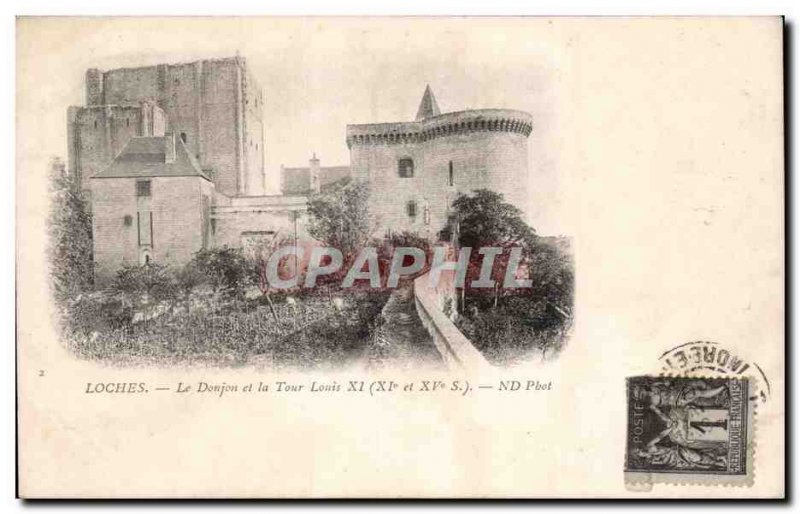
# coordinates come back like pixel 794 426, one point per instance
pixel 10 9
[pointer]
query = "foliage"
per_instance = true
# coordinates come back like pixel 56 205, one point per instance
pixel 188 278
pixel 97 312
pixel 530 319
pixel 146 285
pixel 226 269
pixel 258 257
pixel 70 234
pixel 340 217
pixel 306 333
pixel 553 278
pixel 507 324
pixel 484 218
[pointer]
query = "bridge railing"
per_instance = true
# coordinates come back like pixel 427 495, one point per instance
pixel 432 300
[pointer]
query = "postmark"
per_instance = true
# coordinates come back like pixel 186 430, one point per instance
pixel 689 429
pixel 711 358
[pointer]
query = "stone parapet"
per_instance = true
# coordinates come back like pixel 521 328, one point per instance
pixel 453 123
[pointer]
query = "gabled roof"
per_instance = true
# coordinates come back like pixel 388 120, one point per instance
pixel 153 157
pixel 428 106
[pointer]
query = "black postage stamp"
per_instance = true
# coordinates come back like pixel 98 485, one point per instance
pixel 686 428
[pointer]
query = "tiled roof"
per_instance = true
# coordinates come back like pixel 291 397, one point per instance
pixel 147 157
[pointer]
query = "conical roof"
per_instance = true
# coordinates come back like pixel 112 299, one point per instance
pixel 428 106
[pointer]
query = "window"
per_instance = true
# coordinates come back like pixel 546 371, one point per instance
pixel 411 209
pixel 127 122
pixel 183 137
pixel 405 168
pixel 450 174
pixel 144 257
pixel 142 188
pixel 95 123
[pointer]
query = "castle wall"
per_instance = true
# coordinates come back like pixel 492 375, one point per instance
pixel 177 208
pixel 274 214
pixel 97 134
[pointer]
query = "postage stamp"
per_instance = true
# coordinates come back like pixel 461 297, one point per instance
pixel 688 429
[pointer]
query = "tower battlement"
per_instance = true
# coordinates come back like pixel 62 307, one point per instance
pixel 443 125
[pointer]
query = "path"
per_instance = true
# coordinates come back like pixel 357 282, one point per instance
pixel 402 341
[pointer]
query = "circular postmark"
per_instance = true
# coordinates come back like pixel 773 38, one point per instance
pixel 710 357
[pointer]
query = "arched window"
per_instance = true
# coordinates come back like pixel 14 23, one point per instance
pixel 183 137
pixel 405 168
pixel 450 174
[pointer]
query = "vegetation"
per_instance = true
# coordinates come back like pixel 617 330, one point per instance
pixel 219 308
pixel 201 313
pixel 340 217
pixel 70 235
pixel 508 325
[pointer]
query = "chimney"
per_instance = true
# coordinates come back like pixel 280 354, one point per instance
pixel 313 168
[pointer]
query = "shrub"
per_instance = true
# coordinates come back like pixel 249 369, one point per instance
pixel 226 269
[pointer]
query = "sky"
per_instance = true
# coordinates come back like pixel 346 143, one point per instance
pixel 317 74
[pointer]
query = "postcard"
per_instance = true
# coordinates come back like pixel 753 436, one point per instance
pixel 409 257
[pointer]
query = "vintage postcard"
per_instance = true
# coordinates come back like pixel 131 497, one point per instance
pixel 367 257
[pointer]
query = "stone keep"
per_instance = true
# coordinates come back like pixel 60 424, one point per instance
pixel 415 169
pixel 213 105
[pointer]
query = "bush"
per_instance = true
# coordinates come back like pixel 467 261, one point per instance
pixel 145 285
pixel 225 268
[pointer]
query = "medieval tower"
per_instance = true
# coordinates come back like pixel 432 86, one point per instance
pixel 416 168
pixel 214 107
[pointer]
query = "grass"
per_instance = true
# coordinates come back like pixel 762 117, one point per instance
pixel 306 332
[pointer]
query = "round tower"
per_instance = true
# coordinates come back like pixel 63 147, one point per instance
pixel 416 169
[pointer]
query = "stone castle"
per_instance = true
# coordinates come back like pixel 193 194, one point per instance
pixel 172 159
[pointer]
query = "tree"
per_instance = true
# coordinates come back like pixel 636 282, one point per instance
pixel 484 218
pixel 258 254
pixel 70 234
pixel 340 217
